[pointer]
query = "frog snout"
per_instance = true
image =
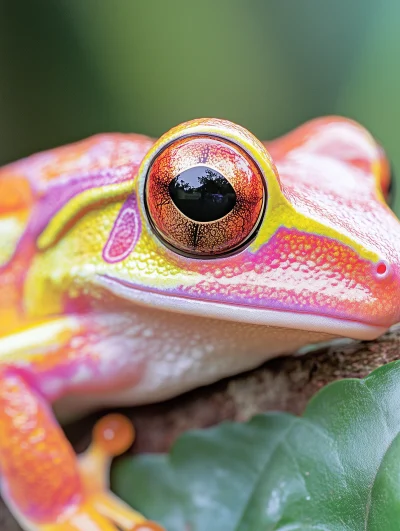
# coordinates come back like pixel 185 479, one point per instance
pixel 385 293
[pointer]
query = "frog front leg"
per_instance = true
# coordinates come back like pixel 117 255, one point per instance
pixel 45 485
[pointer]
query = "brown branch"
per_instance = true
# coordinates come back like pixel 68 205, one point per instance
pixel 284 384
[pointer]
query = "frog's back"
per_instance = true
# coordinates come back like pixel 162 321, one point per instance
pixel 16 203
pixel 33 189
pixel 16 199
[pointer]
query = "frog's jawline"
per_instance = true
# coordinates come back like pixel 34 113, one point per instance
pixel 243 314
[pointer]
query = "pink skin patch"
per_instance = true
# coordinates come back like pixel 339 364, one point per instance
pixel 125 232
pixel 301 272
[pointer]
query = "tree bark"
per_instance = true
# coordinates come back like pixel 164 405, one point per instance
pixel 284 384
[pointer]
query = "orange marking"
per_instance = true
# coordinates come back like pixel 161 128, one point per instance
pixel 36 461
pixel 15 192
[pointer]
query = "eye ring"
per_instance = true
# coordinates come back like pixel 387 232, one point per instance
pixel 204 196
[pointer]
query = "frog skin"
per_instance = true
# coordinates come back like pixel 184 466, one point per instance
pixel 111 294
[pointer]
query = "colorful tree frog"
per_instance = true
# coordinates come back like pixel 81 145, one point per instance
pixel 132 270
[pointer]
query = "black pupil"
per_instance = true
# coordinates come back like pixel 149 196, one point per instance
pixel 202 194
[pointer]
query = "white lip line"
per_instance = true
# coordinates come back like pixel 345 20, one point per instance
pixel 244 314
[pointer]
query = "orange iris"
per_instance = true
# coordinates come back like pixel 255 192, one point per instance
pixel 205 196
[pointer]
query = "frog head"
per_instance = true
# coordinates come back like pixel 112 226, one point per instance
pixel 293 233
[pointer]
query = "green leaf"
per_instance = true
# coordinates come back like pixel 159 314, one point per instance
pixel 337 468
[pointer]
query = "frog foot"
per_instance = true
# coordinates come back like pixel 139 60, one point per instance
pixel 112 436
pixel 95 507
pixel 46 486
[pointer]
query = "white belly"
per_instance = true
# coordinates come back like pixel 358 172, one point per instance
pixel 181 352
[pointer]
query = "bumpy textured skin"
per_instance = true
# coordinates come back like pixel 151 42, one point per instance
pixel 94 307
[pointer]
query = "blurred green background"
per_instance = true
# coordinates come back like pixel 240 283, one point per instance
pixel 71 68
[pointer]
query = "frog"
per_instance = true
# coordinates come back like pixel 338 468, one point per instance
pixel 134 269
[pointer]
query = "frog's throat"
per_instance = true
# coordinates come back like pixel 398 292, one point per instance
pixel 242 314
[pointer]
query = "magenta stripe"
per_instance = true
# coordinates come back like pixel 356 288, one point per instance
pixel 59 193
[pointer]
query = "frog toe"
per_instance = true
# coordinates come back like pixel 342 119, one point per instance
pixel 83 520
pixel 118 512
pixel 112 436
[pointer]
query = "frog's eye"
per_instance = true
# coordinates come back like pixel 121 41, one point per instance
pixel 204 196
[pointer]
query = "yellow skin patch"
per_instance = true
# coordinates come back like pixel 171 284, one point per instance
pixel 12 228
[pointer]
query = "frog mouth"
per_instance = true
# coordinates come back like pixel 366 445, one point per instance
pixel 152 298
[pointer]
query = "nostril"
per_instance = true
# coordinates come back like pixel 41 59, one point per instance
pixel 382 269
